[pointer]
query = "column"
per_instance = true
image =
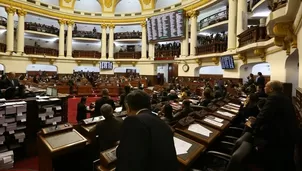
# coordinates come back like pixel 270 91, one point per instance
pixel 151 50
pixel 111 39
pixel 10 29
pixel 20 46
pixel 104 40
pixel 69 39
pixel 62 38
pixel 185 41
pixel 232 36
pixel 144 40
pixel 193 43
pixel 241 16
pixel 262 22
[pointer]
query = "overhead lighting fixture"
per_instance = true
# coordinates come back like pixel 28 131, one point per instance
pixel 261 14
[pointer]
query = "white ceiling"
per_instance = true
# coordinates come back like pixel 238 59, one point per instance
pixel 53 2
pixel 128 6
pixel 87 5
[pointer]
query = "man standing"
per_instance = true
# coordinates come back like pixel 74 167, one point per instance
pixel 146 142
pixel 276 129
pixel 260 81
pixel 105 99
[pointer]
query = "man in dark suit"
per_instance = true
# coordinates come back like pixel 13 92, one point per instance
pixel 146 142
pixel 276 130
pixel 82 110
pixel 11 86
pixel 105 99
pixel 260 81
pixel 108 131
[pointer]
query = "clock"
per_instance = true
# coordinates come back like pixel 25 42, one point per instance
pixel 185 67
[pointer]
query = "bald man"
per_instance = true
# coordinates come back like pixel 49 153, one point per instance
pixel 276 129
pixel 108 130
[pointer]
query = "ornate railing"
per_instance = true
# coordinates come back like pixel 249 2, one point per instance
pixel 3 21
pixel 86 34
pixel 252 35
pixel 86 54
pixel 41 28
pixel 215 47
pixel 2 47
pixel 276 4
pixel 128 35
pixel 166 54
pixel 213 19
pixel 31 50
pixel 127 55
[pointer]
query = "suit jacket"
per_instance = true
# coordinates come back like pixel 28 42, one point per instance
pixel 276 123
pixel 81 112
pixel 108 132
pixel 261 81
pixel 99 103
pixel 146 145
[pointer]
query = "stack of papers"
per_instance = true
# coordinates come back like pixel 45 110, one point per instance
pixel 93 120
pixel 11 127
pixel 235 105
pixel 54 120
pixel 21 117
pixel 10 120
pixel 2 130
pixel 228 109
pixel 232 107
pixel 10 110
pixel 2 111
pixel 118 109
pixel 6 160
pixel 21 108
pixel 199 130
pixel 215 118
pixel 20 136
pixel 225 113
pixel 213 122
pixel 2 120
pixel 2 139
pixel 181 147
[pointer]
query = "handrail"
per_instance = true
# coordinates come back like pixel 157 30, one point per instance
pixel 86 34
pixel 214 47
pixel 41 28
pixel 252 35
pixel 86 54
pixel 214 18
pixel 273 5
pixel 128 35
pixel 40 51
pixel 166 54
pixel 127 55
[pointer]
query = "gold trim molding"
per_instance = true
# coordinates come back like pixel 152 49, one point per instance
pixel 215 60
pixel 198 61
pixel 120 63
pixel 61 21
pixel 10 10
pixel 243 58
pixel 21 12
pixel 143 24
pixel 285 36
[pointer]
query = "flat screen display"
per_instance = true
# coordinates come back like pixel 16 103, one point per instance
pixel 106 65
pixel 227 62
pixel 166 26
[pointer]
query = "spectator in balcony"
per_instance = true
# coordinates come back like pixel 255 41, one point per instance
pixel 75 28
pixel 94 30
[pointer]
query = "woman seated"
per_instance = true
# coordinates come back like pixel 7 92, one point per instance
pixel 168 113
pixel 207 98
pixel 250 107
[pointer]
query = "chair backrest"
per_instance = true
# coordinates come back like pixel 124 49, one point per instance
pixel 245 137
pixel 239 157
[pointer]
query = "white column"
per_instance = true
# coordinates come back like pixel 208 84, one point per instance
pixel 69 39
pixel 10 29
pixel 111 40
pixel 193 43
pixel 151 50
pixel 232 36
pixel 62 38
pixel 185 41
pixel 241 16
pixel 262 22
pixel 20 46
pixel 104 40
pixel 144 40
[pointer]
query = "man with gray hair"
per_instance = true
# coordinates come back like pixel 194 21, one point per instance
pixel 276 129
pixel 105 99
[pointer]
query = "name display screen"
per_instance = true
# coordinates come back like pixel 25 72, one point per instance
pixel 166 26
pixel 106 65
pixel 227 62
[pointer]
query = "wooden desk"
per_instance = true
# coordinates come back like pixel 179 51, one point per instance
pixel 193 153
pixel 224 123
pixel 224 116
pixel 199 137
pixel 88 131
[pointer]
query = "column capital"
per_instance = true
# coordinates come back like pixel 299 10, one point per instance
pixel 21 12
pixel 111 26
pixel 61 21
pixel 104 26
pixel 143 24
pixel 10 10
pixel 192 14
pixel 69 22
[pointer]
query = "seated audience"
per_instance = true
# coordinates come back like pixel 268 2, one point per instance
pixel 105 99
pixel 172 95
pixel 250 107
pixel 82 110
pixel 146 142
pixel 260 92
pixel 123 96
pixel 108 130
pixel 217 92
pixel 168 113
pixel 164 97
pixel 184 94
pixel 185 111
pixel 154 99
pixel 207 98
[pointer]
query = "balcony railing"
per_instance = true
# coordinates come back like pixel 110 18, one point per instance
pixel 213 19
pixel 128 35
pixel 127 55
pixel 86 54
pixel 2 47
pixel 214 47
pixel 254 2
pixel 87 34
pixel 31 50
pixel 41 28
pixel 3 21
pixel 274 5
pixel 166 54
pixel 252 35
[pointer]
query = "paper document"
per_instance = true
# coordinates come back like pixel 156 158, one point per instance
pixel 213 122
pixel 181 146
pixel 235 105
pixel 232 107
pixel 54 99
pixel 225 114
pixel 199 129
pixel 118 109
pixel 58 108
pixel 215 118
pixel 7 159
pixel 228 109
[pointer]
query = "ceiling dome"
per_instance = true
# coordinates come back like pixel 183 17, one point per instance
pixel 88 5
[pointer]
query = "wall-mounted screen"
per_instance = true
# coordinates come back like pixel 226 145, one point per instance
pixel 106 65
pixel 227 62
pixel 166 26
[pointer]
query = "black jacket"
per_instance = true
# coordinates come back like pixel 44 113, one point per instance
pixel 108 132
pixel 81 112
pixel 260 81
pixel 99 103
pixel 146 145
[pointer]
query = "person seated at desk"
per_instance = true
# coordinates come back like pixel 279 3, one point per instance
pixel 172 95
pixel 127 90
pixel 185 111
pixel 154 99
pixel 183 94
pixel 207 98
pixel 105 99
pixel 108 130
pixel 260 92
pixel 168 114
pixel 217 92
pixel 164 97
pixel 11 85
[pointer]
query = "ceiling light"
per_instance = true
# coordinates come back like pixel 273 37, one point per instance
pixel 261 14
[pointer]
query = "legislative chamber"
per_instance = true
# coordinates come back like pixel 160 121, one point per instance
pixel 222 75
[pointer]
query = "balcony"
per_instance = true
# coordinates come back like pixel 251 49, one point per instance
pixel 213 19
pixel 2 47
pixel 41 28
pixel 31 50
pixel 127 55
pixel 273 5
pixel 252 35
pixel 86 35
pixel 214 47
pixel 3 21
pixel 128 35
pixel 166 54
pixel 86 54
